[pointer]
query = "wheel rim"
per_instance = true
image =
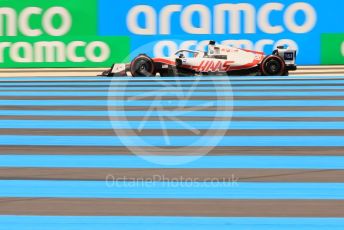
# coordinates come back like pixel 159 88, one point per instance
pixel 143 67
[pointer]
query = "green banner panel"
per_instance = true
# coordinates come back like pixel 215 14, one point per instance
pixel 332 49
pixel 67 51
pixel 34 18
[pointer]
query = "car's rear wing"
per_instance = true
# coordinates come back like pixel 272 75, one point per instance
pixel 288 55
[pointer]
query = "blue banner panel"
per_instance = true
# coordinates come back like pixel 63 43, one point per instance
pixel 165 26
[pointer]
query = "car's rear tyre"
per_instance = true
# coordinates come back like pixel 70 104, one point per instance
pixel 273 66
pixel 142 66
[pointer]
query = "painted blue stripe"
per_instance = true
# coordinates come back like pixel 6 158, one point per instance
pixel 105 103
pixel 176 113
pixel 51 124
pixel 172 103
pixel 167 223
pixel 15 89
pixel 55 113
pixel 165 94
pixel 235 103
pixel 288 114
pixel 179 162
pixel 253 141
pixel 119 94
pixel 170 190
pixel 181 125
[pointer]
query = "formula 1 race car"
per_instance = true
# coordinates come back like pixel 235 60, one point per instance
pixel 218 60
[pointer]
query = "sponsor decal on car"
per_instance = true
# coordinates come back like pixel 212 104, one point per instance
pixel 214 66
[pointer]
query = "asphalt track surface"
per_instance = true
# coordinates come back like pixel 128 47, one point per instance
pixel 235 153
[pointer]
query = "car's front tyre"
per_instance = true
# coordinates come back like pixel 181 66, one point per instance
pixel 273 65
pixel 142 66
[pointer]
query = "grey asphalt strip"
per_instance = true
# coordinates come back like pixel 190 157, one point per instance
pixel 182 175
pixel 171 207
pixel 175 108
pixel 133 98
pixel 171 132
pixel 216 151
pixel 191 79
pixel 164 98
pixel 166 118
pixel 119 118
pixel 161 86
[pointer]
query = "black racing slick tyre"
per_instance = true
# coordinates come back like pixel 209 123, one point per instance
pixel 273 65
pixel 142 66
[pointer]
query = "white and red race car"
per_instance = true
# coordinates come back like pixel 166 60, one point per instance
pixel 218 60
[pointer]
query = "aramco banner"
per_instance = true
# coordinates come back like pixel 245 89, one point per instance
pixel 97 33
pixel 259 24
pixel 56 33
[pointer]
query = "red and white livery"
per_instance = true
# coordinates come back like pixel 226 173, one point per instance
pixel 217 60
